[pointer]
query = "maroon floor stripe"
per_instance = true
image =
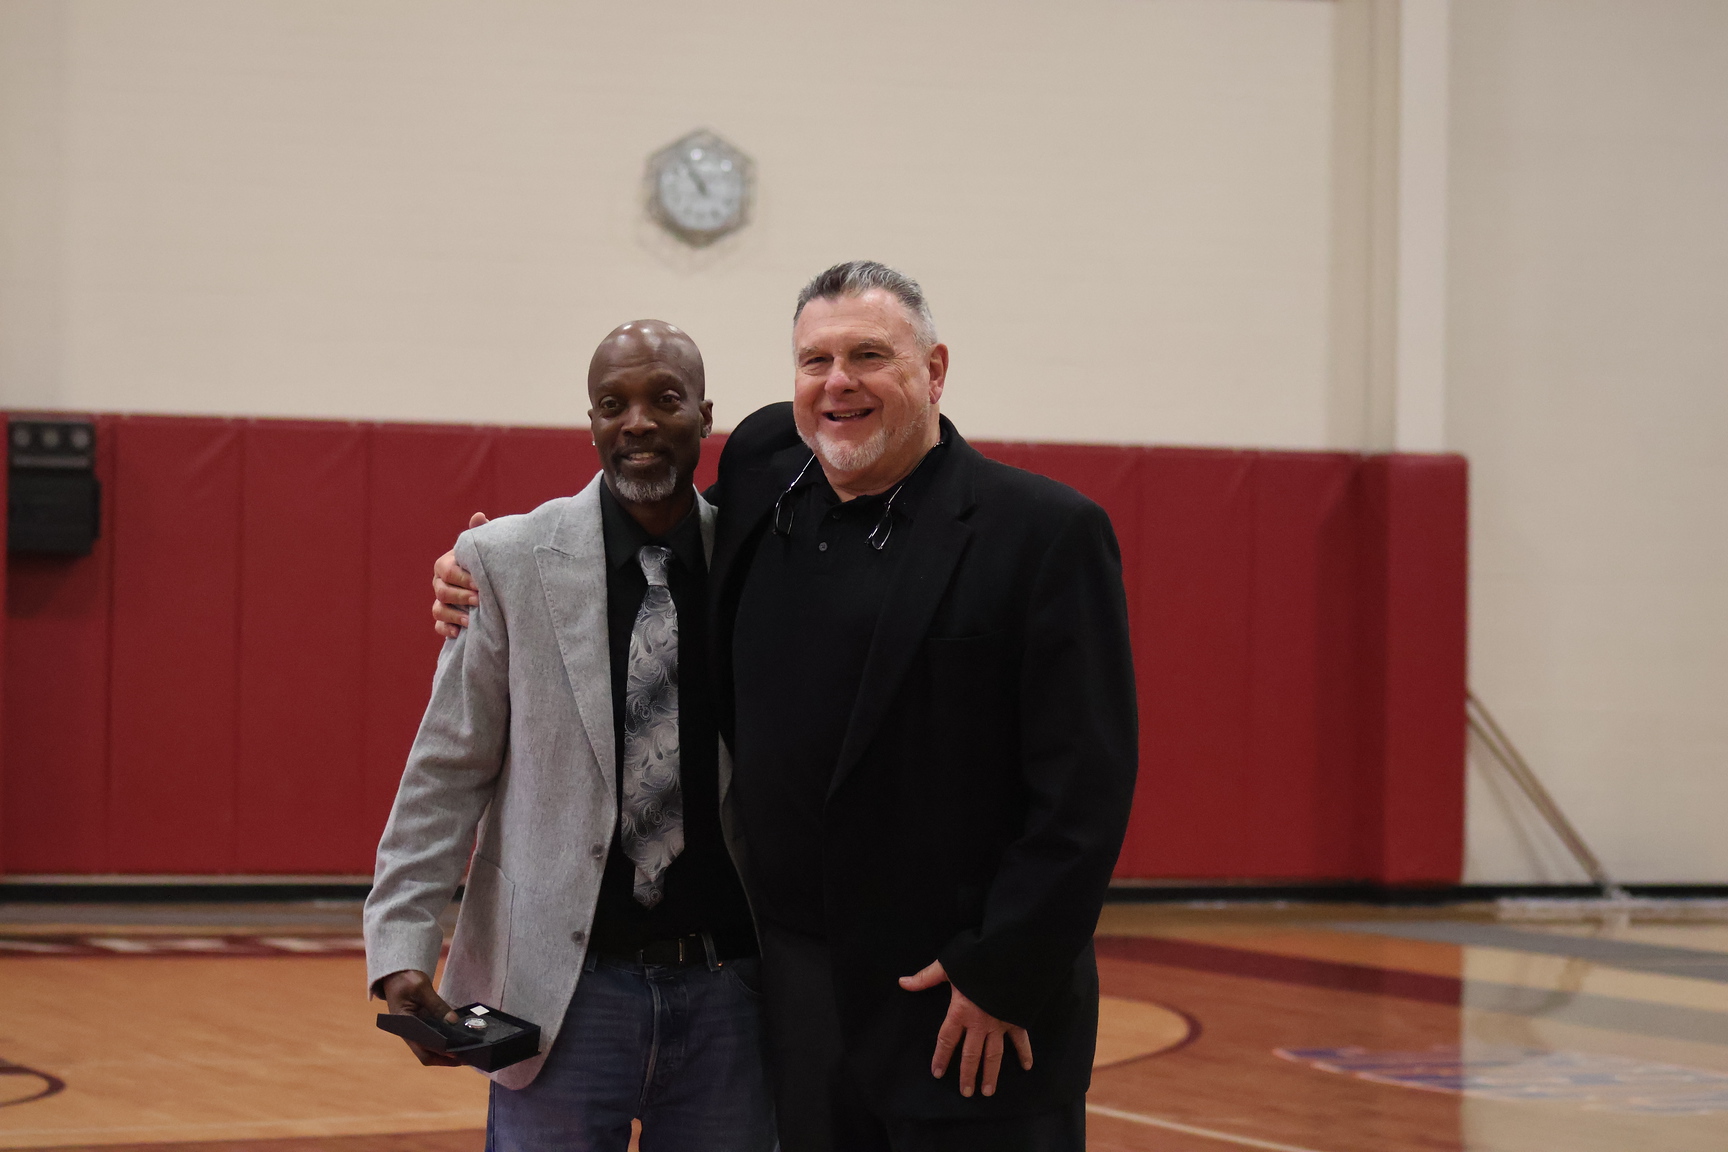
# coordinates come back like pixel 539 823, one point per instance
pixel 1284 969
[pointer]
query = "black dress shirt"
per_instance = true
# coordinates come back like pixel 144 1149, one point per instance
pixel 806 616
pixel 702 891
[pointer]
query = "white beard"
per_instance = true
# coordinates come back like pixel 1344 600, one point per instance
pixel 855 456
pixel 646 491
pixel 847 455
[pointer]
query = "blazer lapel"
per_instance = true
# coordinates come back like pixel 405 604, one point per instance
pixel 938 537
pixel 573 573
pixel 748 501
pixel 706 514
pixel 750 498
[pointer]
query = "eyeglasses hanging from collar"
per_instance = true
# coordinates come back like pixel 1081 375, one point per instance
pixel 885 526
pixel 783 527
pixel 878 538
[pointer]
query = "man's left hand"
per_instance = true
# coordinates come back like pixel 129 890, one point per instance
pixel 977 1033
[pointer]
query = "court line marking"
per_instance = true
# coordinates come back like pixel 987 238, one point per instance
pixel 1191 1130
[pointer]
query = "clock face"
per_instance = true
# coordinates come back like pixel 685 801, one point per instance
pixel 700 187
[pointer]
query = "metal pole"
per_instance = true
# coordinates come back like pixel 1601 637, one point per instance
pixel 1482 723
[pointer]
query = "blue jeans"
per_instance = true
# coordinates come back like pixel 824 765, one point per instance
pixel 678 1048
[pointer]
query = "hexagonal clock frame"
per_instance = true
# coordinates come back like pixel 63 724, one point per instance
pixel 703 143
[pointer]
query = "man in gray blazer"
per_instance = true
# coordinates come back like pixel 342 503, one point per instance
pixel 572 728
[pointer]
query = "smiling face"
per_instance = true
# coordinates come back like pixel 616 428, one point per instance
pixel 647 411
pixel 865 397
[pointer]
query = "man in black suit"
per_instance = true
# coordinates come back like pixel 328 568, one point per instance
pixel 923 666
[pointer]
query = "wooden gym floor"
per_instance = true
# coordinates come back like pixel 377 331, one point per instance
pixel 1286 1029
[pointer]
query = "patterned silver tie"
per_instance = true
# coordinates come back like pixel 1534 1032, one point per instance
pixel 651 803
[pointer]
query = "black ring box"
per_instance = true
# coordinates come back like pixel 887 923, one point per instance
pixel 505 1040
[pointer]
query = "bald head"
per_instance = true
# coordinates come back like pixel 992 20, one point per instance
pixel 641 343
pixel 648 415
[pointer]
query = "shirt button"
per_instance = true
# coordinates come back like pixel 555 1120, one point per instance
pixel 578 936
pixel 822 547
pixel 597 851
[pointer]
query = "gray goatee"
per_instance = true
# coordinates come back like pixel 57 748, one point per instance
pixel 647 491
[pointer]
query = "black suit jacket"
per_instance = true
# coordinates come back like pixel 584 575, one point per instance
pixel 984 781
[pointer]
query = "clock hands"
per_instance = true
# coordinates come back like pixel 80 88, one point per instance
pixel 701 185
pixel 701 188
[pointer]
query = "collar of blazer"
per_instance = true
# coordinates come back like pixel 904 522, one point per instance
pixel 935 540
pixel 572 565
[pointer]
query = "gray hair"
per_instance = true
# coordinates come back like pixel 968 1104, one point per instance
pixel 856 277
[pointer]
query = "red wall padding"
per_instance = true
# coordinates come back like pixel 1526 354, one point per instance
pixel 301 722
pixel 230 683
pixel 1415 659
pixel 174 646
pixel 54 805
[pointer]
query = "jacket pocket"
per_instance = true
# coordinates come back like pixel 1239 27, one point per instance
pixel 480 951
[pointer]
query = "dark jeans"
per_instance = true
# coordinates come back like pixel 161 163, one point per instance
pixel 816 1108
pixel 678 1048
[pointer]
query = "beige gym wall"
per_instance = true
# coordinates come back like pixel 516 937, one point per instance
pixel 1588 383
pixel 1129 213
pixel 431 211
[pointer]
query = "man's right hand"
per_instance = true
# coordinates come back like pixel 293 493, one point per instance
pixel 410 993
pixel 453 590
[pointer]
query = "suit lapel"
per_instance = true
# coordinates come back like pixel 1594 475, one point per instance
pixel 573 574
pixel 706 515
pixel 938 537
pixel 750 498
pixel 748 501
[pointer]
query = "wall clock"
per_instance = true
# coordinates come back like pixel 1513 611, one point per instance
pixel 699 188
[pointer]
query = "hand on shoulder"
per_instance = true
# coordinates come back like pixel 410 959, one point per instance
pixel 453 590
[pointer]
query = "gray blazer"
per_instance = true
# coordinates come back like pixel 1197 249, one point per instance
pixel 517 743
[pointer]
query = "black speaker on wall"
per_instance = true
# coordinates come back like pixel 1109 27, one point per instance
pixel 54 501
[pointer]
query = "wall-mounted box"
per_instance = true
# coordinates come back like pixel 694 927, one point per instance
pixel 54 501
